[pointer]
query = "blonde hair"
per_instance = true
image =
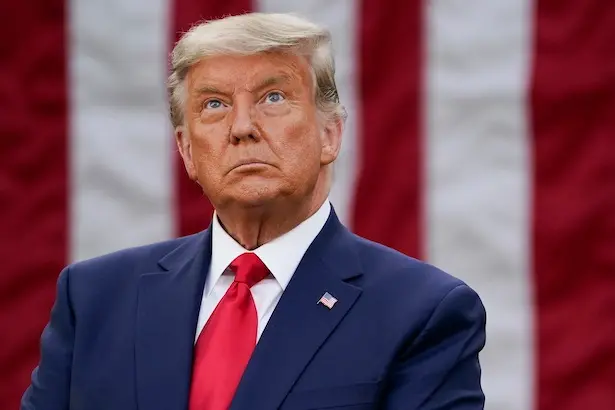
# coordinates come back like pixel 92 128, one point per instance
pixel 254 33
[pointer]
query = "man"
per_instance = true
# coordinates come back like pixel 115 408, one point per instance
pixel 276 304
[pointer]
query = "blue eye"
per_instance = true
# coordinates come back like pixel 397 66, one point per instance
pixel 274 97
pixel 213 104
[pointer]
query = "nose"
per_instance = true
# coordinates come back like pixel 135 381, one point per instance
pixel 242 125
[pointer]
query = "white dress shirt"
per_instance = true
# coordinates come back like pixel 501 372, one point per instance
pixel 281 256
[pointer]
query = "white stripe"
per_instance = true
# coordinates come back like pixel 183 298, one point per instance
pixel 120 138
pixel 478 169
pixel 340 17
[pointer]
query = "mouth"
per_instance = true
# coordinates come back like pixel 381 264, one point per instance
pixel 249 164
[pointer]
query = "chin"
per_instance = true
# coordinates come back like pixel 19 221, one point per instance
pixel 255 194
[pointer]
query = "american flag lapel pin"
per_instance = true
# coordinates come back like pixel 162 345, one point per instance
pixel 328 300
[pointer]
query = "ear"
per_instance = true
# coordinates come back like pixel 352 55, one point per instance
pixel 184 145
pixel 331 139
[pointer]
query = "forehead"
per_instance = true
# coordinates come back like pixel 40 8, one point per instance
pixel 239 72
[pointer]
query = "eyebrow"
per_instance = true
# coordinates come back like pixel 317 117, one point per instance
pixel 272 80
pixel 267 82
pixel 208 89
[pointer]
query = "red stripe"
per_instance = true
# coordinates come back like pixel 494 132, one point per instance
pixel 33 182
pixel 387 203
pixel 194 210
pixel 573 121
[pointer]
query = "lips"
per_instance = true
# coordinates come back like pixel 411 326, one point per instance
pixel 249 161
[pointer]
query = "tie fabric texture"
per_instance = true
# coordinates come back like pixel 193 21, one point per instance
pixel 227 341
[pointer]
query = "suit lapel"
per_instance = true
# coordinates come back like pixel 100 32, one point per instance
pixel 167 312
pixel 299 324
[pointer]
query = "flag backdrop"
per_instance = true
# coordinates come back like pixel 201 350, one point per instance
pixel 481 138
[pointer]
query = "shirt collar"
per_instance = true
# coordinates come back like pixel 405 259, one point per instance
pixel 281 256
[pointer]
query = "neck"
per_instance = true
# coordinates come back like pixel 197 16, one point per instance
pixel 253 227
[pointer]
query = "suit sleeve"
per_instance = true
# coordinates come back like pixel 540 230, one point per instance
pixel 440 370
pixel 50 381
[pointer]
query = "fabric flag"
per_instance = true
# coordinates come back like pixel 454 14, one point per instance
pixel 481 138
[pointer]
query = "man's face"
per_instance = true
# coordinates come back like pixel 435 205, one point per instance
pixel 252 132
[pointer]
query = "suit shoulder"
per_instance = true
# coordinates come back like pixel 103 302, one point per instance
pixel 113 277
pixel 390 268
pixel 402 293
pixel 138 258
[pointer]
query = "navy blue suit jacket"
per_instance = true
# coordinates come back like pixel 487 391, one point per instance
pixel 403 334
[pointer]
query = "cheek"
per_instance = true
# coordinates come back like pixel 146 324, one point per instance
pixel 301 149
pixel 293 136
pixel 207 147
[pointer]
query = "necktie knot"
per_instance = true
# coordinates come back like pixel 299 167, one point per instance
pixel 249 269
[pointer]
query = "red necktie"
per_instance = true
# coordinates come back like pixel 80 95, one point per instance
pixel 225 345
